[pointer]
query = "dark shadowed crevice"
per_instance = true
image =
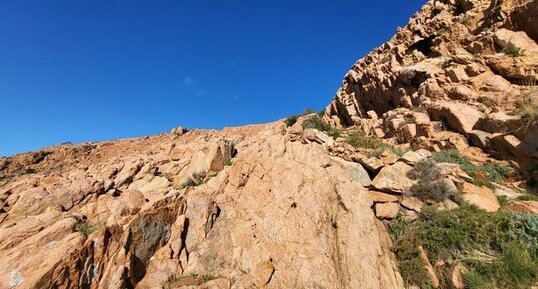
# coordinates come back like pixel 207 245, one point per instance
pixel 424 46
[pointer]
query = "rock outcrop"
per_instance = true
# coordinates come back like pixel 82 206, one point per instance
pixel 465 63
pixel 262 209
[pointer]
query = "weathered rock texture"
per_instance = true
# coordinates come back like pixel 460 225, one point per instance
pixel 469 65
pixel 273 211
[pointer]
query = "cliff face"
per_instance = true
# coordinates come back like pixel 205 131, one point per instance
pixel 479 58
pixel 263 208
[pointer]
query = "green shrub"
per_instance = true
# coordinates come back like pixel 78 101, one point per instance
pixel 207 277
pixel 188 280
pixel 528 197
pixel 488 102
pixel 447 63
pixel 358 139
pixel 86 228
pixel 430 185
pixel 529 116
pixel 483 174
pixel 308 111
pixel 436 190
pixel 229 162
pixel 316 122
pixel 405 247
pixel 473 280
pixel 512 50
pixel 498 249
pixel 418 108
pixel 291 120
pixel 198 178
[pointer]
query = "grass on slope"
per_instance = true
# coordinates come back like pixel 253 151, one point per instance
pixel 484 174
pixel 499 250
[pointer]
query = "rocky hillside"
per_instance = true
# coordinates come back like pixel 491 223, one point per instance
pixel 247 207
pixel 421 173
pixel 470 67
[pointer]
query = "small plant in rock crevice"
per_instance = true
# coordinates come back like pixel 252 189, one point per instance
pixel 529 116
pixel 447 63
pixel 512 50
pixel 291 120
pixel 189 280
pixel 488 102
pixel 198 178
pixel 86 227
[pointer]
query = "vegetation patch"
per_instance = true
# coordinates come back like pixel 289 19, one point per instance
pixel 488 102
pixel 292 119
pixel 528 197
pixel 483 174
pixel 359 139
pixel 529 116
pixel 512 50
pixel 430 185
pixel 86 227
pixel 316 122
pixel 499 250
pixel 446 63
pixel 418 108
pixel 188 280
pixel 196 179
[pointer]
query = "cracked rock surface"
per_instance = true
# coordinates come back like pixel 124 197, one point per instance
pixel 271 210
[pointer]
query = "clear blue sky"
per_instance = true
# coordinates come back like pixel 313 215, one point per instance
pixel 90 70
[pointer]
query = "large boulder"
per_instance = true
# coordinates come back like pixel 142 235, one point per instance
pixel 393 178
pixel 458 116
pixel 482 197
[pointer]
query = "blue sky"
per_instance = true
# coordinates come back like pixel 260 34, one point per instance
pixel 80 70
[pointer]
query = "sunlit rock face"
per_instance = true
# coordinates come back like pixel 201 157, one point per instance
pixel 467 64
pixel 264 207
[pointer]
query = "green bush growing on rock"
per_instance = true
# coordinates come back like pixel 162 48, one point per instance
pixel 292 119
pixel 430 185
pixel 529 116
pixel 488 102
pixel 512 50
pixel 500 250
pixel 86 228
pixel 188 280
pixel 316 122
pixel 446 63
pixel 492 172
pixel 197 179
pixel 359 139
